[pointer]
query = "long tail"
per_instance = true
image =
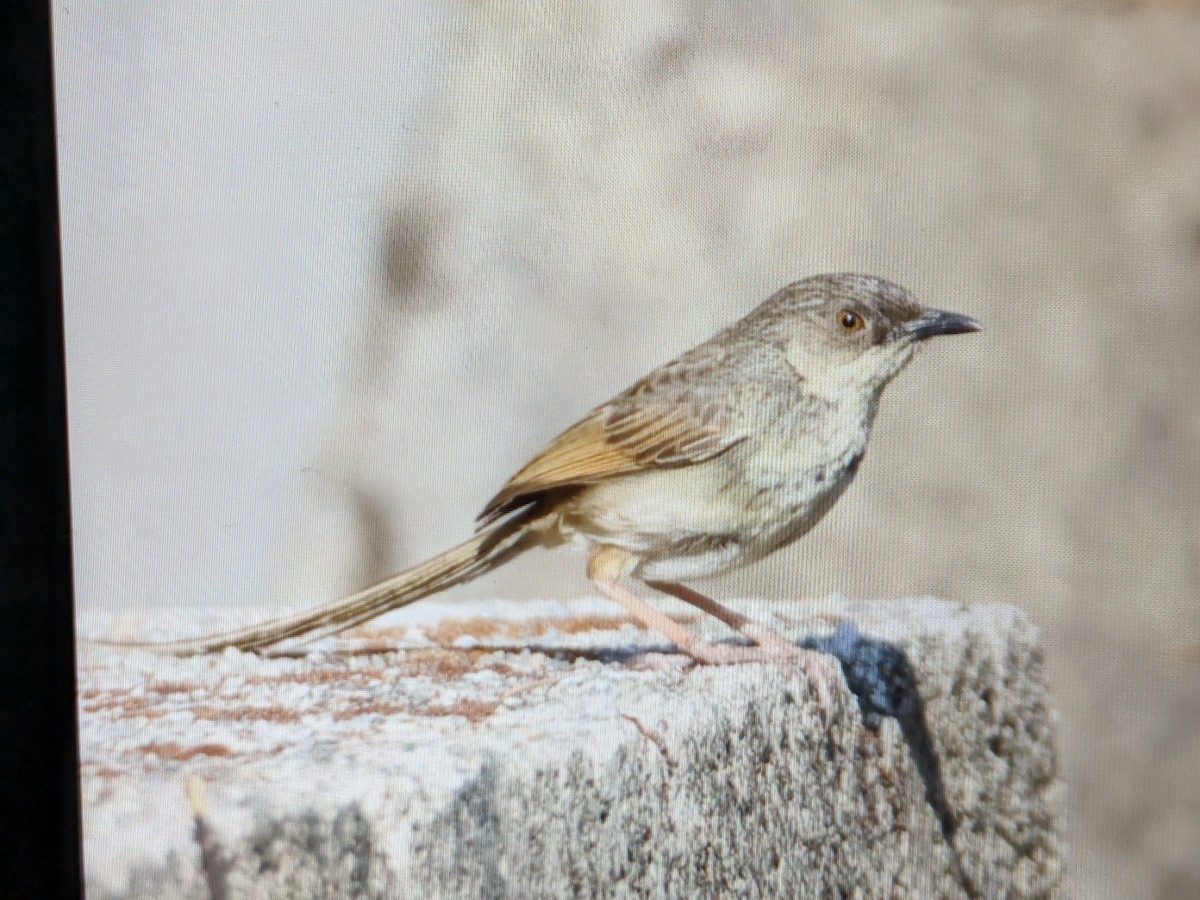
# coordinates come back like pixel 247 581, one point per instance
pixel 483 552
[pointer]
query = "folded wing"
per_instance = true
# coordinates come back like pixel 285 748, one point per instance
pixel 638 431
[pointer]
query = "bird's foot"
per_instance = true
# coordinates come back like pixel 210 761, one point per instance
pixel 823 671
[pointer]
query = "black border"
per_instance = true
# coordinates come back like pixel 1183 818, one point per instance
pixel 39 787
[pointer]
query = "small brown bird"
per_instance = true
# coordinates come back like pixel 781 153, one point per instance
pixel 714 460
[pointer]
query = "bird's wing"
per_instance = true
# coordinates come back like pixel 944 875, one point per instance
pixel 658 423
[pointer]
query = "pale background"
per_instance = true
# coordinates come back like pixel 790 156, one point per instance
pixel 332 275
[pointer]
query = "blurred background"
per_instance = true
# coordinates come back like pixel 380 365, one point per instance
pixel 333 273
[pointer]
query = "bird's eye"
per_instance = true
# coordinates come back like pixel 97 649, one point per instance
pixel 850 321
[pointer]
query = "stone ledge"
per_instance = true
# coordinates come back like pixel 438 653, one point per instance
pixel 528 750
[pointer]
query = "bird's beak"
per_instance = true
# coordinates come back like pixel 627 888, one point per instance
pixel 937 321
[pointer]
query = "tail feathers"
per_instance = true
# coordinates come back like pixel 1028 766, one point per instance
pixel 468 560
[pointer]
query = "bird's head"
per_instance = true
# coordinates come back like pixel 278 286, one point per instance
pixel 852 332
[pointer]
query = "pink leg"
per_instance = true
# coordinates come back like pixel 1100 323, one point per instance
pixel 656 620
pixel 757 632
pixel 608 564
pixel 823 671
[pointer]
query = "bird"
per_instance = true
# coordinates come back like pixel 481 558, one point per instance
pixel 712 461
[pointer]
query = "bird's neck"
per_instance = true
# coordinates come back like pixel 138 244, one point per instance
pixel 856 382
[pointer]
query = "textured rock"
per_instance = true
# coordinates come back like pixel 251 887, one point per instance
pixel 493 749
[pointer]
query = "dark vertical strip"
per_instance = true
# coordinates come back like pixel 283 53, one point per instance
pixel 39 792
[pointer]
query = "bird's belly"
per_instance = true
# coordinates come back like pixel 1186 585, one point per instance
pixel 706 519
pixel 801 499
pixel 667 506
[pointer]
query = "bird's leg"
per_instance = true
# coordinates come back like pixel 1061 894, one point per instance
pixel 820 667
pixel 608 564
pixel 756 631
pixel 655 620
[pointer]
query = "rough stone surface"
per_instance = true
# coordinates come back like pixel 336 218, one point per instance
pixel 496 749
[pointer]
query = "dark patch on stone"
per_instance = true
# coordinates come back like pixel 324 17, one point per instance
pixel 883 680
pixel 855 460
pixel 335 856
